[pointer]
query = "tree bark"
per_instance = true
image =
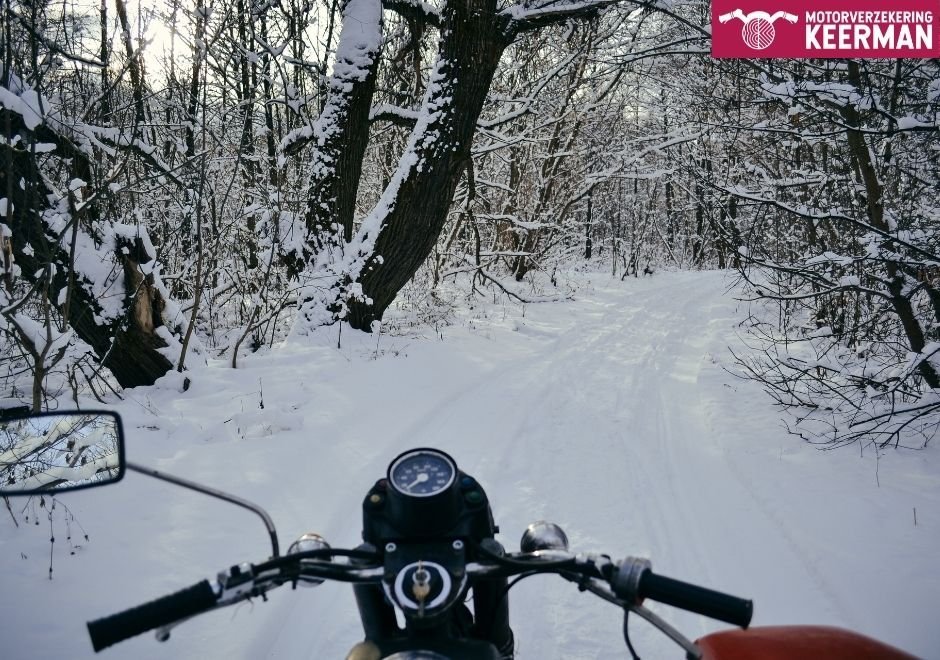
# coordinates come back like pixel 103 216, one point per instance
pixel 342 130
pixel 472 42
pixel 133 64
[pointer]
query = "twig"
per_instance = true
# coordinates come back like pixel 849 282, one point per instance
pixel 6 501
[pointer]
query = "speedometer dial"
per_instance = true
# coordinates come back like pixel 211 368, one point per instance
pixel 422 473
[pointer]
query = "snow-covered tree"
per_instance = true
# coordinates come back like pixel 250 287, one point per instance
pixel 840 192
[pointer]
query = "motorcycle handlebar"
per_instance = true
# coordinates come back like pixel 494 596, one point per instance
pixel 693 598
pixel 160 612
pixel 630 581
pixel 633 580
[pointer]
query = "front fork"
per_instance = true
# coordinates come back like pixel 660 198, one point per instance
pixel 490 605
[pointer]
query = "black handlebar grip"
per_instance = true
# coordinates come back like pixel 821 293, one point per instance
pixel 160 612
pixel 713 604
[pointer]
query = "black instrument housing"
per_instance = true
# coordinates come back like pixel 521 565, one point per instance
pixel 427 528
pixel 461 512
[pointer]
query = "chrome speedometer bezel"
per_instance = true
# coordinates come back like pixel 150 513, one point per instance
pixel 424 451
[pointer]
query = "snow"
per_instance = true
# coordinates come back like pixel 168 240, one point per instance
pixel 41 337
pixel 611 415
pixel 359 41
pixel 32 443
pixel 527 10
pixel 910 122
pixel 103 277
pixel 830 257
pixel 78 473
pixel 24 102
pixel 387 108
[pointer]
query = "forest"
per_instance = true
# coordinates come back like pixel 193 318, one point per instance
pixel 192 182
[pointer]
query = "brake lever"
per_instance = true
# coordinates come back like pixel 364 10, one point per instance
pixel 162 633
pixel 692 651
pixel 596 588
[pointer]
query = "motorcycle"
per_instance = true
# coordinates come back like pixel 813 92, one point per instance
pixel 428 545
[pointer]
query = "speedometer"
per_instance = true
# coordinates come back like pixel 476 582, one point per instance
pixel 422 473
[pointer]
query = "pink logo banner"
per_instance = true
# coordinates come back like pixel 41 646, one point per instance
pixel 825 28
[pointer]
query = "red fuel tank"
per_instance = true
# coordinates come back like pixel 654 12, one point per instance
pixel 789 642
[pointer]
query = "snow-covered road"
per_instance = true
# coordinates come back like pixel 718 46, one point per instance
pixel 610 415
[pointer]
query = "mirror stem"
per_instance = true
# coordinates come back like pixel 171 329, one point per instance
pixel 185 483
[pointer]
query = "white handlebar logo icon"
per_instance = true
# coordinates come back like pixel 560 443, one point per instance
pixel 758 29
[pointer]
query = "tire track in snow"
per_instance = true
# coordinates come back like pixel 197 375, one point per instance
pixel 613 402
pixel 607 413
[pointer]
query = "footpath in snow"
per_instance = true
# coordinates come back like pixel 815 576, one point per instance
pixel 610 415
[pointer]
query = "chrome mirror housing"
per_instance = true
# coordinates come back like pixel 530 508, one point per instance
pixel 543 535
pixel 307 542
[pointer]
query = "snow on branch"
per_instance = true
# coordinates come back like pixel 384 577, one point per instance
pixel 394 114
pixel 527 16
pixel 293 142
pixel 27 24
pixel 525 102
pixel 115 273
pixel 414 9
pixel 835 215
pixel 22 100
pixel 508 289
pixel 70 137
pixel 358 48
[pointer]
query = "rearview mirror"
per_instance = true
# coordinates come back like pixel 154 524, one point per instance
pixel 55 452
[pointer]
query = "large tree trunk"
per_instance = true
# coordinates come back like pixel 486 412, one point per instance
pixel 342 130
pixel 340 135
pixel 414 209
pixel 360 278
